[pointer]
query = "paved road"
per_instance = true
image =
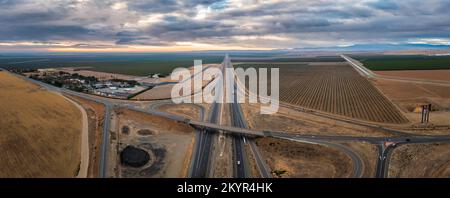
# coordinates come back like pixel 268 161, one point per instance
pixel 369 74
pixel 240 163
pixel 202 166
pixel 237 119
pixel 105 142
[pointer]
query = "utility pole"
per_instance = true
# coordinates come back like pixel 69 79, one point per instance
pixel 426 109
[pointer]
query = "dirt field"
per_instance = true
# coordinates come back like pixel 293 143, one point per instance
pixel 443 75
pixel 408 97
pixel 186 110
pixel 98 75
pixel 296 160
pixel 156 93
pixel 40 131
pixel 96 113
pixel 168 143
pixel 421 160
pixel 164 91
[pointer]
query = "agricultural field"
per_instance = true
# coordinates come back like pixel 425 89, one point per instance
pixel 404 62
pixel 129 64
pixel 334 88
pixel 40 131
pixel 290 59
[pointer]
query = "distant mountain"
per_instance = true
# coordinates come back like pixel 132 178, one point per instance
pixel 376 47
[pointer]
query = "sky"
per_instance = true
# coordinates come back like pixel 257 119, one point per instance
pixel 191 25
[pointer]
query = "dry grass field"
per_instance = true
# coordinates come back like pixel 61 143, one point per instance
pixel 409 96
pixel 289 159
pixel 40 131
pixel 421 160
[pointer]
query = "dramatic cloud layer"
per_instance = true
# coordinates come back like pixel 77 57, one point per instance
pixel 146 25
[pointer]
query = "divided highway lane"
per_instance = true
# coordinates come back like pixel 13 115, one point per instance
pixel 202 164
pixel 240 164
pixel 238 120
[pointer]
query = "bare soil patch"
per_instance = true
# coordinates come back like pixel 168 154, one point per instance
pixel 186 110
pixel 156 93
pixel 168 143
pixel 443 75
pixel 409 97
pixel 297 160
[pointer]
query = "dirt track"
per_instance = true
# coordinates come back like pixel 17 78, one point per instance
pixel 84 161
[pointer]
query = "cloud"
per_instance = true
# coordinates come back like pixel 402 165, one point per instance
pixel 384 5
pixel 240 23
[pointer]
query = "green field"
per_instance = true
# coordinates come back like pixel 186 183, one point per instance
pixel 132 64
pixel 144 64
pixel 404 62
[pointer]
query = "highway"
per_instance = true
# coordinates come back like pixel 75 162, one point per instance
pixel 202 164
pixel 240 163
pixel 241 169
